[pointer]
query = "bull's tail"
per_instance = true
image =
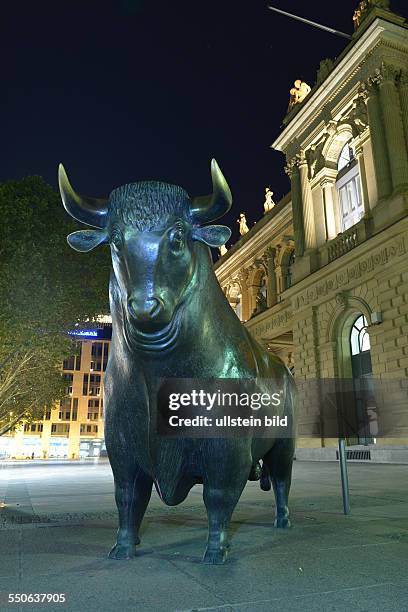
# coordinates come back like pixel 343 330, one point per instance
pixel 265 480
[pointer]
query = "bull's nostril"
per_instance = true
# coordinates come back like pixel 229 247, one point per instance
pixel 153 307
pixel 132 307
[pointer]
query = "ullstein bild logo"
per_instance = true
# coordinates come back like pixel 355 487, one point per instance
pixel 221 408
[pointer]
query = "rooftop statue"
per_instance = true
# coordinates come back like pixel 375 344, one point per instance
pixel 298 93
pixel 269 203
pixel 243 227
pixel 171 320
pixel 365 6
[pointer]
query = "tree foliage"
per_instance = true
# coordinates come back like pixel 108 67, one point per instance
pixel 46 289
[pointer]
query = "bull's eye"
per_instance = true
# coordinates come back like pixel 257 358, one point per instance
pixel 177 237
pixel 116 239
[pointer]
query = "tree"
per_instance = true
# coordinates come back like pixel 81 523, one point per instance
pixel 46 289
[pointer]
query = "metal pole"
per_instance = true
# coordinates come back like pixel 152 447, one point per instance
pixel 344 476
pixel 309 22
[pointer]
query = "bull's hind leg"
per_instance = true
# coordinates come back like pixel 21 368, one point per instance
pixel 279 463
pixel 132 495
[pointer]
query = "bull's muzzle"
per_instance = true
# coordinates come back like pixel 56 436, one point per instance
pixel 148 315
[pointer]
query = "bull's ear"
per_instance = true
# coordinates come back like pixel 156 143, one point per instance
pixel 86 240
pixel 213 235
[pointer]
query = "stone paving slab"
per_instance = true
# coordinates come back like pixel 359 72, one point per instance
pixel 326 562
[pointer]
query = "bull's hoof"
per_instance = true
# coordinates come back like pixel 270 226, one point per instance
pixel 215 557
pixel 122 551
pixel 282 523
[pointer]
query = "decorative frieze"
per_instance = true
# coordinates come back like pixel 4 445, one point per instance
pixel 351 273
pixel 265 327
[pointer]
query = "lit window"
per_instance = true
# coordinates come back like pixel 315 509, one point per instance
pixel 351 207
pixel 359 338
pixel 346 157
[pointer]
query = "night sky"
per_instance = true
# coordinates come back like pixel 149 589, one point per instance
pixel 129 90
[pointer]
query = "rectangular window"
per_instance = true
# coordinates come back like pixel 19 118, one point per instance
pixel 69 363
pixel 33 427
pixel 74 411
pixel 65 404
pixel 96 352
pixel 47 415
pixel 40 427
pixel 53 427
pixel 85 385
pixel 78 357
pixel 105 355
pixel 68 381
pixel 95 384
pixel 350 200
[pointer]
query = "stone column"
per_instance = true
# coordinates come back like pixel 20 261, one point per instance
pixel 394 129
pixel 379 146
pixel 292 170
pixel 403 92
pixel 363 179
pixel 271 287
pixel 245 306
pixel 307 206
pixel 327 185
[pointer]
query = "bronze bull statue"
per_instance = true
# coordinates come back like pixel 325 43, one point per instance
pixel 170 319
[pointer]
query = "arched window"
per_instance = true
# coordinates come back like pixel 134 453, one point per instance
pixel 359 338
pixel 289 270
pixel 366 425
pixel 348 187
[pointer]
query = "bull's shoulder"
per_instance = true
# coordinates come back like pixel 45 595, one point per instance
pixel 268 364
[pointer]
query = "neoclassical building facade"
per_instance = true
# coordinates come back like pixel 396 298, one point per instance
pixel 322 278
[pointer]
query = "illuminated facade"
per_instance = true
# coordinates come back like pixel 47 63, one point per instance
pixel 332 255
pixel 74 428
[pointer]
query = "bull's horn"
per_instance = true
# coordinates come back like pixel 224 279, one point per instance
pixel 90 211
pixel 208 208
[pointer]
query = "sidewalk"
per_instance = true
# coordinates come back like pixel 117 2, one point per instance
pixel 57 538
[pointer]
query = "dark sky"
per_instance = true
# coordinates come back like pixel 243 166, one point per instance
pixel 128 90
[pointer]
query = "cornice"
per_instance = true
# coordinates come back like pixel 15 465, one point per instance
pixel 379 33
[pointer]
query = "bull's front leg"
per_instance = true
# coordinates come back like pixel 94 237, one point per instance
pixel 221 494
pixel 132 495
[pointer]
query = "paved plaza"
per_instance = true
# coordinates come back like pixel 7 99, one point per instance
pixel 59 521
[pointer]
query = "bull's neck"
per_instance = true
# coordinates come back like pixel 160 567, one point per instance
pixel 211 335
